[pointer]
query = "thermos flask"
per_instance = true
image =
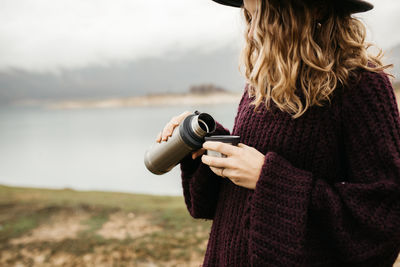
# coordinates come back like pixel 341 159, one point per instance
pixel 188 137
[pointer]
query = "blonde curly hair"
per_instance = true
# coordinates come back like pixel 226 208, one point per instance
pixel 295 45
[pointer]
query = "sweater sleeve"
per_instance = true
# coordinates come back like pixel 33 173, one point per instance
pixel 200 184
pixel 359 214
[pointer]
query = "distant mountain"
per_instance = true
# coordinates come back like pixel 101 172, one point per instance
pixel 173 73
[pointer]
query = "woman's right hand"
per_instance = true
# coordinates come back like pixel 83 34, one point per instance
pixel 169 128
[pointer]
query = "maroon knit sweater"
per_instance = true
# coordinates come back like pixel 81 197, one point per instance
pixel 329 189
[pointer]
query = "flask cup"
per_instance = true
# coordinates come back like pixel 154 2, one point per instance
pixel 188 137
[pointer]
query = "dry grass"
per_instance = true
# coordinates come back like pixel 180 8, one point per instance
pixel 69 228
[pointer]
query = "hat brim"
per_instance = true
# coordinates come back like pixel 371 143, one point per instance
pixel 355 6
pixel 351 6
pixel 234 3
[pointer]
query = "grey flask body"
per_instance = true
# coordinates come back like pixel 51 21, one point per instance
pixel 161 157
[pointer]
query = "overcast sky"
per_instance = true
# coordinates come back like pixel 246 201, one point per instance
pixel 45 35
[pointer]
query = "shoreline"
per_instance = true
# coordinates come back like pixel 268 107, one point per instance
pixel 149 100
pixel 140 101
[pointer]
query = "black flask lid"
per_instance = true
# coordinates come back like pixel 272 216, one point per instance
pixel 189 136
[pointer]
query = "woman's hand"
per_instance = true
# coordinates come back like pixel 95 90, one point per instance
pixel 169 128
pixel 242 165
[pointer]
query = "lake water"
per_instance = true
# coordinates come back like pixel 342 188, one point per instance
pixel 90 149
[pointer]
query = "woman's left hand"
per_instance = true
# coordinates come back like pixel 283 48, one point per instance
pixel 242 165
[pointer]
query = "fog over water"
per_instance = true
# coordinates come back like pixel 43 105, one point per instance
pixel 90 149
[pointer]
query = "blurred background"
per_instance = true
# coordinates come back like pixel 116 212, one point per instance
pixel 85 87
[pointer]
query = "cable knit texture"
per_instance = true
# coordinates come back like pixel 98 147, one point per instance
pixel 329 190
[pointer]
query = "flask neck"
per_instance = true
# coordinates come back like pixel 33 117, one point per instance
pixel 195 127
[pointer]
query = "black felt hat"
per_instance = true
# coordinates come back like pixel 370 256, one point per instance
pixel 350 6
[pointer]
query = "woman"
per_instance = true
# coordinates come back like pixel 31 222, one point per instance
pixel 316 178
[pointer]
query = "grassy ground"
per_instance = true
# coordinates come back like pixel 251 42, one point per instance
pixel 40 227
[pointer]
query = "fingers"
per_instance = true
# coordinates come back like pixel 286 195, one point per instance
pixel 198 153
pixel 216 162
pixel 223 148
pixel 171 125
pixel 158 138
pixel 169 128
